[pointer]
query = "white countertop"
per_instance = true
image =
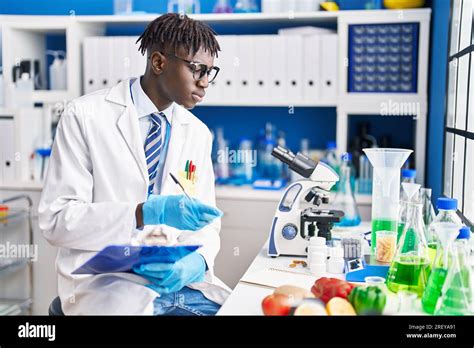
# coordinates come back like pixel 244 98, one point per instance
pixel 246 299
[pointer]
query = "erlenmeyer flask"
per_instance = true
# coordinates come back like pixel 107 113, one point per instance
pixel 457 293
pixel 428 217
pixel 410 267
pixel 345 200
pixel 410 194
pixel 446 234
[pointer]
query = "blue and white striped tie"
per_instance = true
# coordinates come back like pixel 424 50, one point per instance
pixel 153 147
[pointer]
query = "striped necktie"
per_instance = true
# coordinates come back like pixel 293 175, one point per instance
pixel 153 147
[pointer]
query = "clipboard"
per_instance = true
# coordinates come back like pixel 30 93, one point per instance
pixel 122 258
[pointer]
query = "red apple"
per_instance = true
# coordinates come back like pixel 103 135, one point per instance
pixel 276 304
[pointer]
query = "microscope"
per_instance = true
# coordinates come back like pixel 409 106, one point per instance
pixel 294 224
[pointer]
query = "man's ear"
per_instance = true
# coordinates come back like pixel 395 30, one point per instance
pixel 157 62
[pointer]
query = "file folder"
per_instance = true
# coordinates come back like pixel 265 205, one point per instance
pixel 262 70
pixel 312 67
pixel 229 62
pixel 294 68
pixel 122 258
pixel 277 66
pixel 91 67
pixel 246 68
pixel 329 73
pixel 213 92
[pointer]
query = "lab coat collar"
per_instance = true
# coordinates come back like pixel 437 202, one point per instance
pixel 144 105
pixel 130 130
pixel 120 94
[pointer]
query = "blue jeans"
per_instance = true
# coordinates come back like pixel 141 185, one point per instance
pixel 186 301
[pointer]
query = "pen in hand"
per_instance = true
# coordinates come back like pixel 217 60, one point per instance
pixel 179 184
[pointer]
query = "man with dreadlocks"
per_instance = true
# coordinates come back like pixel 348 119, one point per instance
pixel 110 180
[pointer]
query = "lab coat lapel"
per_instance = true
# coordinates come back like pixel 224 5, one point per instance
pixel 128 125
pixel 129 128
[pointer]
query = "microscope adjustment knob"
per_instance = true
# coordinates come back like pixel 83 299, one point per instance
pixel 289 231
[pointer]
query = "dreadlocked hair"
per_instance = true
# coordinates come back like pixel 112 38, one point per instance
pixel 175 30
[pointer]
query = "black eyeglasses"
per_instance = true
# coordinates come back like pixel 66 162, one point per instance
pixel 199 70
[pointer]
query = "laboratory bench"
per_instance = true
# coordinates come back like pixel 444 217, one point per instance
pixel 246 298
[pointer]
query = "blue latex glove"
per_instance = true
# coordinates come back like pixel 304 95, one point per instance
pixel 171 277
pixel 179 212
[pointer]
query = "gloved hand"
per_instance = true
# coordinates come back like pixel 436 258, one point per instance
pixel 171 277
pixel 179 212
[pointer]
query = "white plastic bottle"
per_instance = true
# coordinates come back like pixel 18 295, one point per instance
pixel 24 91
pixel 58 71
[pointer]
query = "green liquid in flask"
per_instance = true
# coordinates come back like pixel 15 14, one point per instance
pixel 381 225
pixel 409 272
pixel 433 289
pixel 432 251
pixel 457 298
pixel 401 226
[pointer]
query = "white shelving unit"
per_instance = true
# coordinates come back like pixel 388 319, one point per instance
pixel 23 38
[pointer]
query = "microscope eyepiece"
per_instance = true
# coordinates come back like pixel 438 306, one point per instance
pixel 299 163
pixel 284 155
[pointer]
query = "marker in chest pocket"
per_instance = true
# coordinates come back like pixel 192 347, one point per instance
pixel 189 177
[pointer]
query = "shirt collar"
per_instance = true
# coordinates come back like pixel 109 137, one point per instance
pixel 144 105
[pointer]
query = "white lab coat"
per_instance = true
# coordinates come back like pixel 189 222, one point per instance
pixel 96 177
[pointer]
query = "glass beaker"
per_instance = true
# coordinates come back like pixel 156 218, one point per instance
pixel 345 199
pixel 446 233
pixel 406 302
pixel 457 292
pixel 410 267
pixel 428 217
pixel 386 246
pixel 386 187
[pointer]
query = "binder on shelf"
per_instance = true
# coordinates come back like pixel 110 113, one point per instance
pixel 90 57
pixel 108 70
pixel 137 61
pixel 262 70
pixel 121 59
pixel 312 68
pixel 277 66
pixel 214 90
pixel 228 62
pixel 329 59
pixel 294 68
pixel 246 68
pixel 7 150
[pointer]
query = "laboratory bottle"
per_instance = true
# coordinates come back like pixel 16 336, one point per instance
pixel 446 234
pixel 58 70
pixel 410 194
pixel 457 292
pixel 244 163
pixel 428 210
pixel 345 199
pixel 408 176
pixel 330 156
pixel 24 91
pixel 446 213
pixel 245 6
pixel 222 6
pixel 223 171
pixel 410 267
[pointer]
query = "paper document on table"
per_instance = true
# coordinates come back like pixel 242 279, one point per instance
pixel 275 277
